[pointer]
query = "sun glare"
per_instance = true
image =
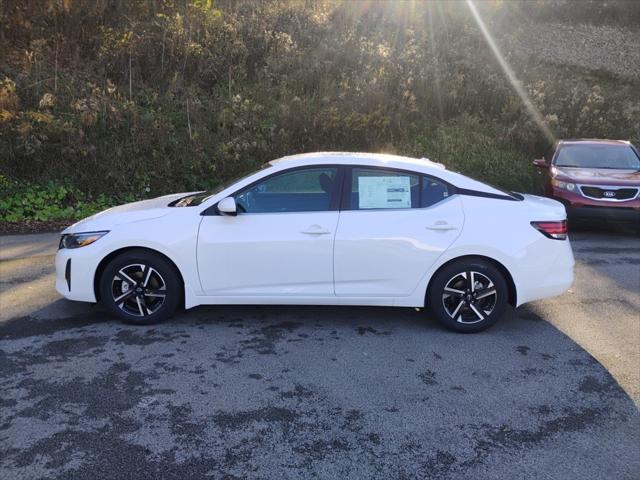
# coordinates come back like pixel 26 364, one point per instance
pixel 511 76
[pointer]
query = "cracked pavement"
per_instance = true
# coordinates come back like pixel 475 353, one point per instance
pixel 321 392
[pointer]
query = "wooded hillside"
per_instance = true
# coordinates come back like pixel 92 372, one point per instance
pixel 139 98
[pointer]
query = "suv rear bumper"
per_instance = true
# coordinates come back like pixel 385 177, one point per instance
pixel 604 213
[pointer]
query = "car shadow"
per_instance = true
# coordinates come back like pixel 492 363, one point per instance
pixel 293 376
pixel 261 328
pixel 62 315
pixel 329 315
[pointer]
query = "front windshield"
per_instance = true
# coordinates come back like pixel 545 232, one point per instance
pixel 621 157
pixel 197 198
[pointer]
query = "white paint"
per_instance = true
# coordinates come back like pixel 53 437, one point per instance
pixel 364 257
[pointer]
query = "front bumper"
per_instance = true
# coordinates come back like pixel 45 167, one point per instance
pixel 75 271
pixel 580 207
pixel 604 213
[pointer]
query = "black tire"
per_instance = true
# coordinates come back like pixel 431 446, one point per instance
pixel 463 312
pixel 156 294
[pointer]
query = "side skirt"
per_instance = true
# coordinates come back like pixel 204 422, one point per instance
pixel 195 300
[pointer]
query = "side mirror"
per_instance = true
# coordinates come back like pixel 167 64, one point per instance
pixel 227 206
pixel 540 163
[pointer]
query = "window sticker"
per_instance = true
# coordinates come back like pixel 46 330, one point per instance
pixel 384 192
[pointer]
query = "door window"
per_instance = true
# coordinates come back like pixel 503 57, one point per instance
pixel 300 190
pixel 373 188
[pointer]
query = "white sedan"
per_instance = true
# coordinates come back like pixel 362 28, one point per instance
pixel 324 229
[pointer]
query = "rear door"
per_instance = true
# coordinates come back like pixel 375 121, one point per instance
pixel 393 226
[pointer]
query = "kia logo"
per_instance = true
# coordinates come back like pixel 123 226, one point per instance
pixel 609 194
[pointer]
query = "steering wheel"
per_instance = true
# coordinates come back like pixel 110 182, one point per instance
pixel 244 201
pixel 240 208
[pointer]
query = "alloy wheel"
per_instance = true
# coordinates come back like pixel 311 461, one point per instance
pixel 138 290
pixel 469 297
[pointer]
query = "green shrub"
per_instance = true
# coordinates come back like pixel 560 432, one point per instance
pixel 51 201
pixel 145 98
pixel 480 149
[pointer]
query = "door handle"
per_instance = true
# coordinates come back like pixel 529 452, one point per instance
pixel 315 230
pixel 441 226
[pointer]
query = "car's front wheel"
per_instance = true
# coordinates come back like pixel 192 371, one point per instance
pixel 140 287
pixel 468 295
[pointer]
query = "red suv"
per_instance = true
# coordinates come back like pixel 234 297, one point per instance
pixel 594 178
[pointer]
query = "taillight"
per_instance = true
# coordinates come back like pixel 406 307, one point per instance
pixel 555 230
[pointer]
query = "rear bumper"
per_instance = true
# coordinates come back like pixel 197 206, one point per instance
pixel 549 275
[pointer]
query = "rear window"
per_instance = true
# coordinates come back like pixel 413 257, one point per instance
pixel 621 157
pixel 433 191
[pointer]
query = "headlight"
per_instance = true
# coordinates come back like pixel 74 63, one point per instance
pixel 563 185
pixel 77 240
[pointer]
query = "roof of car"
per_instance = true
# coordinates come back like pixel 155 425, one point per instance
pixel 381 159
pixel 595 141
pixel 436 170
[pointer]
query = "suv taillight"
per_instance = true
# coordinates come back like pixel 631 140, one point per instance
pixel 555 230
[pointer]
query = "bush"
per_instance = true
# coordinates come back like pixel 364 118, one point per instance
pixel 480 149
pixel 51 201
pixel 116 99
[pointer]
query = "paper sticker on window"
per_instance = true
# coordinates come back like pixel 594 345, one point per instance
pixel 384 192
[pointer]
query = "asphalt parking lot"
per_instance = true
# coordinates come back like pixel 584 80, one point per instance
pixel 322 392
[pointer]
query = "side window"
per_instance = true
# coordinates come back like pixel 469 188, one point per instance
pixel 433 191
pixel 378 188
pixel 301 190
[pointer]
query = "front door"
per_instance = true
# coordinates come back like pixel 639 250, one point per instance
pixel 281 241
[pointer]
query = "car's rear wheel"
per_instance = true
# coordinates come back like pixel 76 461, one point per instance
pixel 140 287
pixel 468 295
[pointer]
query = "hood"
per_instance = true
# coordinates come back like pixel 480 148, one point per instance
pixel 599 176
pixel 127 213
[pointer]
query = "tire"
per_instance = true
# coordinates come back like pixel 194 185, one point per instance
pixel 141 287
pixel 458 306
